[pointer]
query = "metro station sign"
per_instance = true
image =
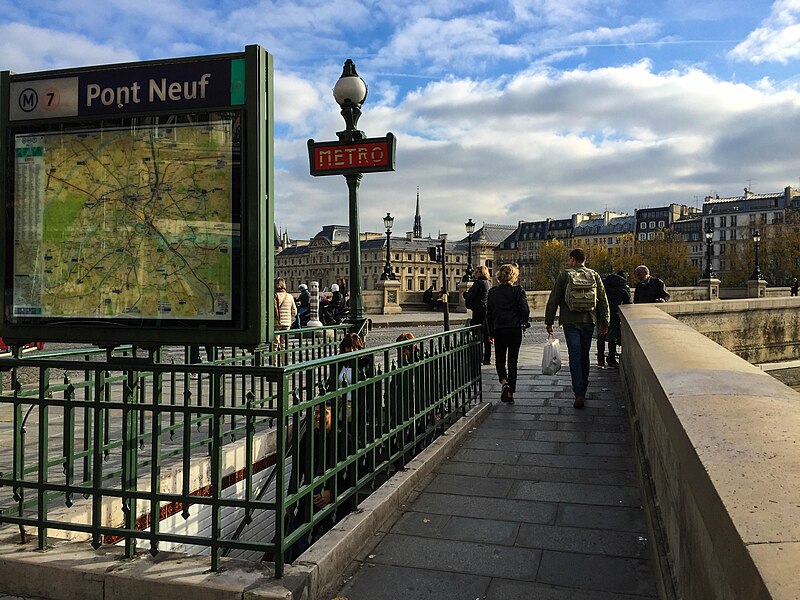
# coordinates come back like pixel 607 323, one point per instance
pixel 370 155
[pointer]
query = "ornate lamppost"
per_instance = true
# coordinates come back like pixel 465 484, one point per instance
pixel 350 92
pixel 388 221
pixel 352 155
pixel 756 275
pixel 470 230
pixel 709 272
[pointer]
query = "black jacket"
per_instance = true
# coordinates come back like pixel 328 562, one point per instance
pixel 506 307
pixel 650 291
pixel 475 298
pixel 617 291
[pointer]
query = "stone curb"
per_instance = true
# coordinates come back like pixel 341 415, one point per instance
pixel 328 558
pixel 74 571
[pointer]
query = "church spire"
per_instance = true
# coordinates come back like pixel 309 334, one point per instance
pixel 417 220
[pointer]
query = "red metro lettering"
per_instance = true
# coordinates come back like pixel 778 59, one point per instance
pixel 352 156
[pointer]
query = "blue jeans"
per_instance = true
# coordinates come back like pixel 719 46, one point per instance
pixel 579 345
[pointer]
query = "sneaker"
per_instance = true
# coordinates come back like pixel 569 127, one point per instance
pixel 612 363
pixel 601 362
pixel 579 401
pixel 506 395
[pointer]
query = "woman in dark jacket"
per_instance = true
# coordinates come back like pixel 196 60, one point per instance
pixel 507 312
pixel 475 300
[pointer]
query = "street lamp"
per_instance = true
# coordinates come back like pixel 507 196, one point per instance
pixel 709 272
pixel 756 275
pixel 437 254
pixel 388 221
pixel 470 230
pixel 350 92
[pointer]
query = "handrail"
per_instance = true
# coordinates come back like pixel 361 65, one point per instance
pixel 123 426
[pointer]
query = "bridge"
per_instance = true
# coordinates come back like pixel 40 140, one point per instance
pixel 679 480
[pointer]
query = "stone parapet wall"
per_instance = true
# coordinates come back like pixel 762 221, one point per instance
pixel 757 329
pixel 718 442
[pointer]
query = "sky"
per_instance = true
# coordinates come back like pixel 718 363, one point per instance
pixel 504 110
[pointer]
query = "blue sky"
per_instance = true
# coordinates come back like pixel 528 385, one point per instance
pixel 504 110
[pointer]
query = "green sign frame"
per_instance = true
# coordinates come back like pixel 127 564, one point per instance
pixel 179 250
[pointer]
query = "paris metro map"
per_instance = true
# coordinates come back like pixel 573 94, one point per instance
pixel 134 222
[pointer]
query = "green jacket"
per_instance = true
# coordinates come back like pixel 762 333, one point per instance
pixel 599 316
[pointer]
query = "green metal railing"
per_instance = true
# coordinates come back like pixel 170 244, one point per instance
pixel 122 443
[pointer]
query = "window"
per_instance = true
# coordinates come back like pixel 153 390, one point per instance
pixel 777 217
pixel 652 224
pixel 421 285
pixel 409 270
pixel 661 224
pixel 733 220
pixel 722 235
pixel 642 237
pixel 651 235
pixel 642 225
pixel 763 218
pixel 733 234
pixel 722 222
pixel 410 284
pixel 410 257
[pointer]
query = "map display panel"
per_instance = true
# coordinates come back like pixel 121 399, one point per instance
pixel 134 222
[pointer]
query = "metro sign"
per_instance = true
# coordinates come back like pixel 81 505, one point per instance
pixel 369 155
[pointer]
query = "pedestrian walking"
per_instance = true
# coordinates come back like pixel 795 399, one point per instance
pixel 285 313
pixel 618 292
pixel 580 299
pixel 475 300
pixel 795 286
pixel 507 312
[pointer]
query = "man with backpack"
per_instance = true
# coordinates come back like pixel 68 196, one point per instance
pixel 580 299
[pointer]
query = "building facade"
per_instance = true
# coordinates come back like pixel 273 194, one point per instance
pixel 734 219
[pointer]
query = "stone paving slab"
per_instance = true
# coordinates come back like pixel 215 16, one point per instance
pixel 540 501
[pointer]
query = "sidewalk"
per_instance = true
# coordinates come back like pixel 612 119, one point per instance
pixel 541 501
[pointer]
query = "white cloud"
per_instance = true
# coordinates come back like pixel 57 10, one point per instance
pixel 547 144
pixel 436 45
pixel 776 40
pixel 27 48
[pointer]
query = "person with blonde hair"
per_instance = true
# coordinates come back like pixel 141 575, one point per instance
pixel 475 300
pixel 285 314
pixel 507 312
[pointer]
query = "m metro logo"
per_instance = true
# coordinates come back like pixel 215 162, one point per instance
pixel 28 100
pixel 364 156
pixel 44 99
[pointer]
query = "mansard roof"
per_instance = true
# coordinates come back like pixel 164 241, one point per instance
pixel 626 224
pixel 490 234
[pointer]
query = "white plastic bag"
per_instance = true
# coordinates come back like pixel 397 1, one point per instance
pixel 551 358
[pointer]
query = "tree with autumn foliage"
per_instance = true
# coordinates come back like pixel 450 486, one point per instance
pixel 667 257
pixel 779 253
pixel 553 257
